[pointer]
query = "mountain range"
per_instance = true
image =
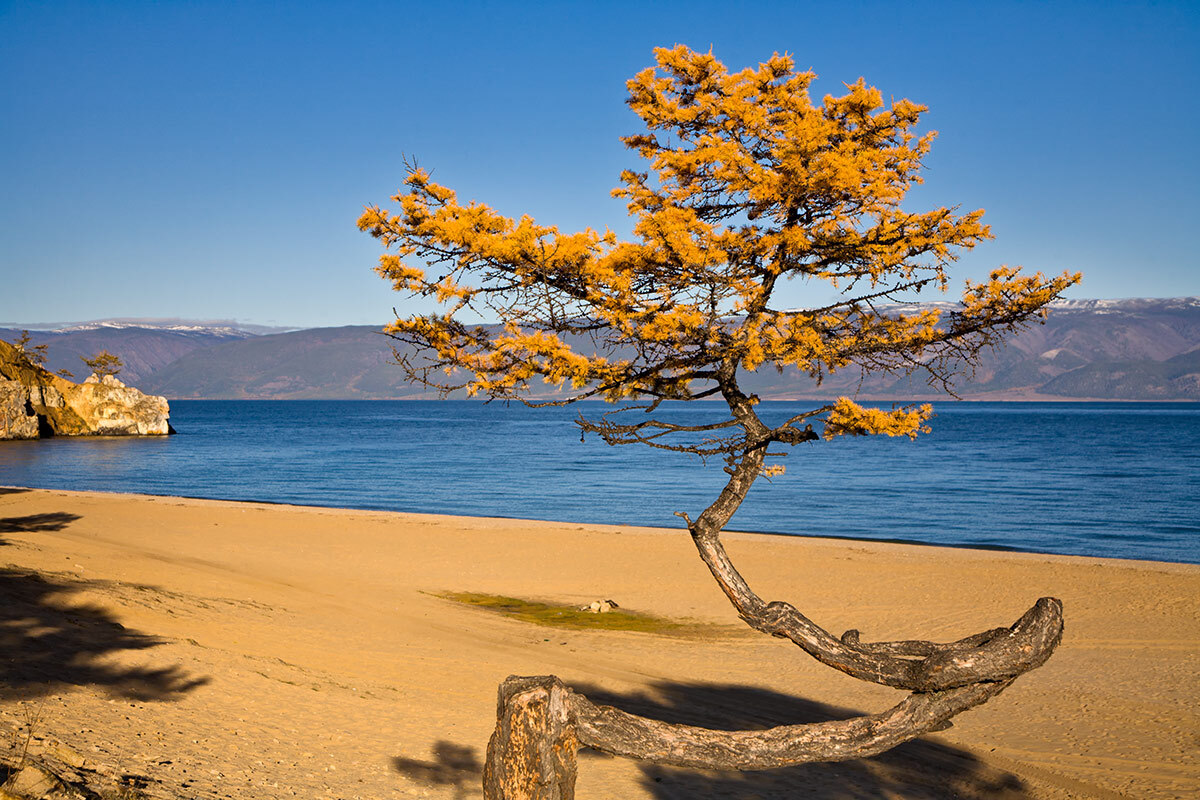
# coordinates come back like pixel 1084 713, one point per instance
pixel 1137 349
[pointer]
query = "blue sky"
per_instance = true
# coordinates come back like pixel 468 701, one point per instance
pixel 208 160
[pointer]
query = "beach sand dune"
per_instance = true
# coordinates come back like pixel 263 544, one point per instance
pixel 216 649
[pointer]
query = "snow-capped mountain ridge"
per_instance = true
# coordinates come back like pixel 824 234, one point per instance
pixel 220 330
pixel 1130 349
pixel 1123 305
pixel 1128 304
pixel 231 328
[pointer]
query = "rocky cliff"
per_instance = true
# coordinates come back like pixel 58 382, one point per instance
pixel 35 403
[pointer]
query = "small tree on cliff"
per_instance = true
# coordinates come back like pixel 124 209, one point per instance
pixel 750 183
pixel 34 355
pixel 103 363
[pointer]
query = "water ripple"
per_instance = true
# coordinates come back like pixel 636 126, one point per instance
pixel 1103 479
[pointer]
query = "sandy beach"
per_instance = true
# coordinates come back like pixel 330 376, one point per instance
pixel 215 649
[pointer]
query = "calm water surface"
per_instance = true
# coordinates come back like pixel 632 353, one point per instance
pixel 1100 479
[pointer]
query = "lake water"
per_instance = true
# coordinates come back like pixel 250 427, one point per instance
pixel 1096 479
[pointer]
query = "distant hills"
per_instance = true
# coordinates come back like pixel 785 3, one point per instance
pixel 1138 349
pixel 318 363
pixel 143 347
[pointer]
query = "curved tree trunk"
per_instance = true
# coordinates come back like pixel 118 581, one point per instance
pixel 541 722
pixel 993 655
pixel 614 731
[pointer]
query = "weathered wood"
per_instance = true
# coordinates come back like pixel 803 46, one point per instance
pixel 532 753
pixel 620 733
pixel 541 724
pixel 994 655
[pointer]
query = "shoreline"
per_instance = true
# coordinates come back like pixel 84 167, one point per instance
pixel 265 650
pixel 1002 549
pixel 932 398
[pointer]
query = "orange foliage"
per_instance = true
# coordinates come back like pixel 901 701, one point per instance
pixel 748 181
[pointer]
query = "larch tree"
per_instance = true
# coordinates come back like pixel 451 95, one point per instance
pixel 103 364
pixel 749 183
pixel 34 355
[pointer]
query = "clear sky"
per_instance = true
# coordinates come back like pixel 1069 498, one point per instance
pixel 208 160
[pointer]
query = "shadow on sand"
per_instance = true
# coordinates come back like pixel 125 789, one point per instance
pixel 453 765
pixel 53 521
pixel 918 770
pixel 48 642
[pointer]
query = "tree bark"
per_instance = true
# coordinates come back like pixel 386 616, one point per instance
pixel 620 733
pixel 996 655
pixel 532 753
pixel 541 723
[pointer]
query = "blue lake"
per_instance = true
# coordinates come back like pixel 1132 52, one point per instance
pixel 1096 479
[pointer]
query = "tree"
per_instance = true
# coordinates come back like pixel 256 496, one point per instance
pixel 749 183
pixel 103 363
pixel 34 356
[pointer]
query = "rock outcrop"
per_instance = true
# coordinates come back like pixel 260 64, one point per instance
pixel 17 420
pixel 35 403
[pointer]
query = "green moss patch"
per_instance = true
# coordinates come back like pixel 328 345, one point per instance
pixel 559 616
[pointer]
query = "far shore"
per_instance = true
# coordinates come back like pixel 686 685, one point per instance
pixel 997 548
pixel 263 650
pixel 997 397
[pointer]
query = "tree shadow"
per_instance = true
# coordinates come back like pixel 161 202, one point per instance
pixel 12 490
pixel 47 642
pixel 453 765
pixel 917 770
pixel 52 521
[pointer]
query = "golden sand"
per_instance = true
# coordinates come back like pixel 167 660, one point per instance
pixel 257 651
